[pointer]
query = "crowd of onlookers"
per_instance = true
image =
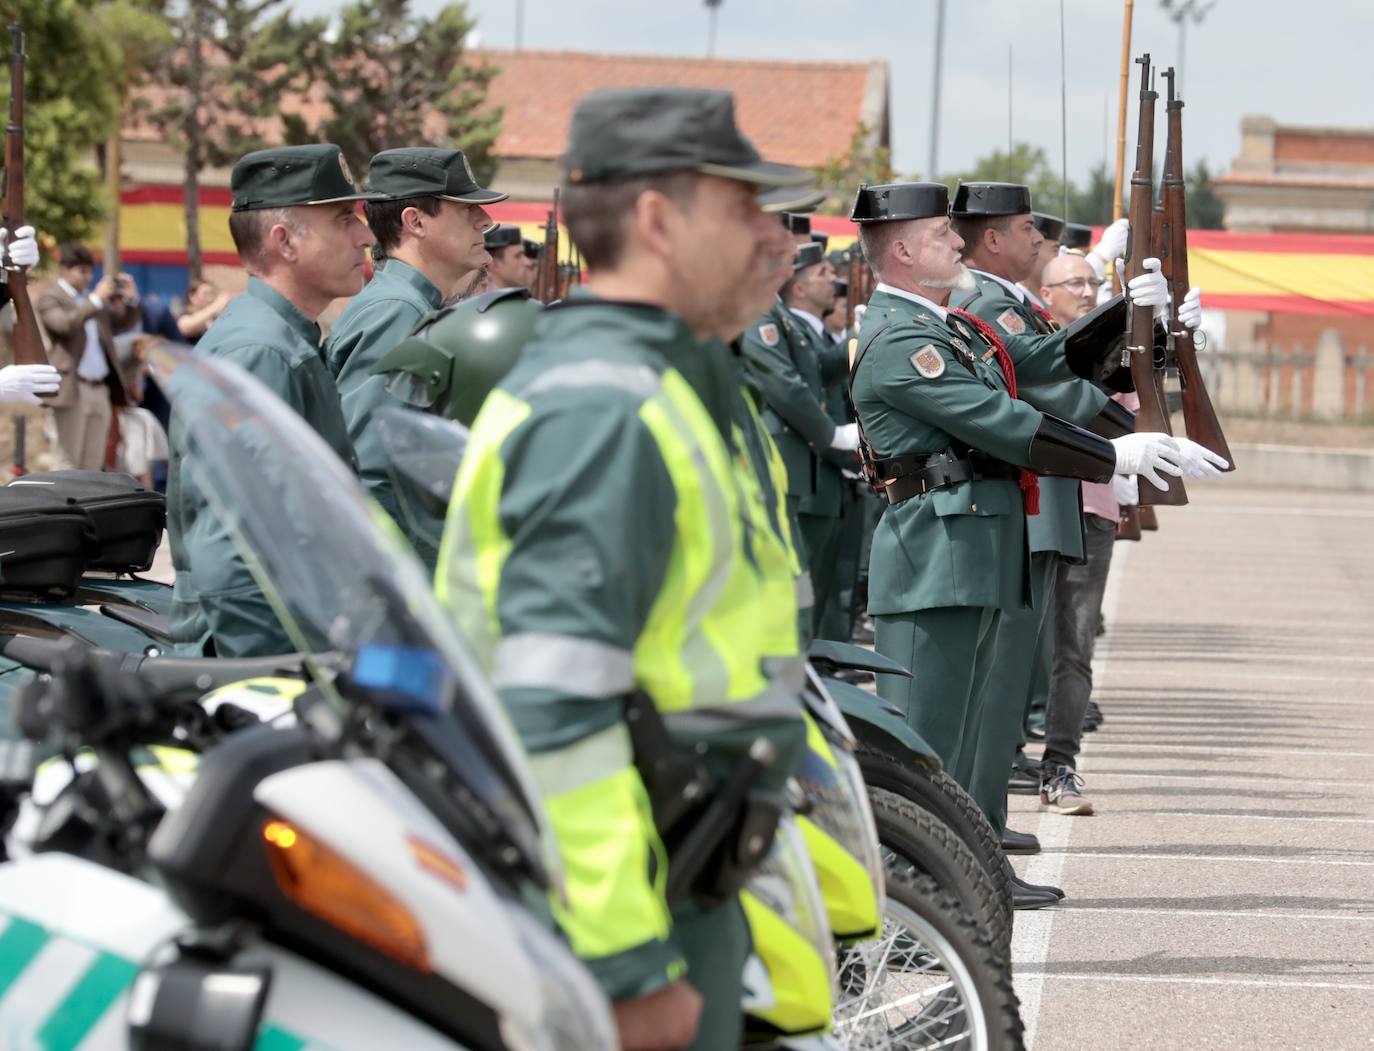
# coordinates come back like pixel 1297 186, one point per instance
pixel 108 412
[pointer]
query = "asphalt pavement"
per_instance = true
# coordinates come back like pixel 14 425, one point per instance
pixel 1222 896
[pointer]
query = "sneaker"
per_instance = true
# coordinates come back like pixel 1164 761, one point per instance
pixel 1059 791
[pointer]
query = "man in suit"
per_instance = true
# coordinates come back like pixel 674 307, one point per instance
pixel 77 320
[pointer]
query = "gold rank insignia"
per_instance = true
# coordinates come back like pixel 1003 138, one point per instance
pixel 769 334
pixel 1011 322
pixel 928 361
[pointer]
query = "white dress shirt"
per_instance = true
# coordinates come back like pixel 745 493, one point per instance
pixel 93 365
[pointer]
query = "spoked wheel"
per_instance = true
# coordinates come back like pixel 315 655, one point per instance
pixel 931 979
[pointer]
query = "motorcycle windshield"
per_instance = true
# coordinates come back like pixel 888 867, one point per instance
pixel 343 583
pixel 422 456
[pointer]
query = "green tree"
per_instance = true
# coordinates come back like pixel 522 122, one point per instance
pixel 1205 210
pixel 70 108
pixel 391 77
pixel 1025 164
pixel 232 64
pixel 140 39
pixel 864 162
pixel 1093 203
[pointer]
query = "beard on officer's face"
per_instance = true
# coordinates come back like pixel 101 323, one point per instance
pixel 961 282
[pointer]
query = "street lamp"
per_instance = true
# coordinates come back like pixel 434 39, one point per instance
pixel 1180 12
pixel 713 7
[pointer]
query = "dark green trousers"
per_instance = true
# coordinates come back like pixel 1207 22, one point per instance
pixel 949 651
pixel 821 535
pixel 715 944
pixel 837 619
pixel 1008 691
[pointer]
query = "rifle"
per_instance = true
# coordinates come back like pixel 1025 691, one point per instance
pixel 27 339
pixel 546 279
pixel 1199 418
pixel 1153 414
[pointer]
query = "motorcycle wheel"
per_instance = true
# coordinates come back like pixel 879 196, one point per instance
pixel 931 979
pixel 942 796
pixel 918 838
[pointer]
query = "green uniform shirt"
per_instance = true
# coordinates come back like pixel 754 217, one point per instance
pixel 783 364
pixel 1059 525
pixel 589 506
pixel 215 596
pixel 919 387
pixel 385 312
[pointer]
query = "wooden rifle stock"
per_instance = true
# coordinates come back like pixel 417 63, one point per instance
pixel 1199 417
pixel 27 339
pixel 1128 523
pixel 546 281
pixel 1153 414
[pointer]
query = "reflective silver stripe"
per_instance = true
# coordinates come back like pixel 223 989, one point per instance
pixel 565 663
pixel 781 700
pixel 806 594
pixel 636 379
pixel 583 762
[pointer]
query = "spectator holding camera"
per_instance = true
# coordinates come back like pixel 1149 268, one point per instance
pixel 79 324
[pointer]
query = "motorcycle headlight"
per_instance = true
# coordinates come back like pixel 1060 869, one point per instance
pixel 576 1015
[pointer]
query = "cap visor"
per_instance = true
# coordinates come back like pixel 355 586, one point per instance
pixel 790 199
pixel 366 195
pixel 764 173
pixel 476 197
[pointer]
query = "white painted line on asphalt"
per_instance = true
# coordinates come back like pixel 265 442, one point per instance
pixel 1250 817
pixel 1248 859
pixel 1357 917
pixel 1030 940
pixel 1286 782
pixel 1254 983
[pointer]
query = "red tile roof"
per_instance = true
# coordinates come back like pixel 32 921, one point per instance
pixel 802 113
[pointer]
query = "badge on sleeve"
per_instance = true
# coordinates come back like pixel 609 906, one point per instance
pixel 1011 322
pixel 928 361
pixel 769 334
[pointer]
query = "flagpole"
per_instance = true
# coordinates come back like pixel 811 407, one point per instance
pixel 1117 207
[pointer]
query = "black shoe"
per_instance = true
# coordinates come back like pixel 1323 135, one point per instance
pixel 1027 896
pixel 1019 842
pixel 1035 733
pixel 1039 888
pixel 863 632
pixel 1021 761
pixel 1095 713
pixel 1023 783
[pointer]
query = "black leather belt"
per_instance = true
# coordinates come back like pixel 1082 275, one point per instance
pixel 915 476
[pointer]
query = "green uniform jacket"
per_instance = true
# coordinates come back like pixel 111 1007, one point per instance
pixel 1059 525
pixel 784 364
pixel 385 312
pixel 215 597
pixel 962 545
pixel 590 509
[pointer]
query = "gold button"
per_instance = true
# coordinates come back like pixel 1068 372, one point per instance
pixel 974 507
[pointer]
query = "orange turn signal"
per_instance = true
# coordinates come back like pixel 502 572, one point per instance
pixel 328 886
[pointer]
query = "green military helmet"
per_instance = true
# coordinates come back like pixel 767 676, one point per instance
pixel 454 358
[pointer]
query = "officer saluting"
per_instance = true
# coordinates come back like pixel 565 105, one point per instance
pixel 955 453
pixel 295 224
pixel 597 547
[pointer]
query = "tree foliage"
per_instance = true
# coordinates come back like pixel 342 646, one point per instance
pixel 391 77
pixel 70 108
pixel 1205 210
pixel 863 162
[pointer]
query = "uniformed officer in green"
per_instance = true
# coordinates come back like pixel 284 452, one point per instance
pixel 295 225
pixel 956 454
pixel 786 360
pixel 1003 243
pixel 430 229
pixel 600 547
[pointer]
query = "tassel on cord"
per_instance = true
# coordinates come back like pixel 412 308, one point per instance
pixel 1029 481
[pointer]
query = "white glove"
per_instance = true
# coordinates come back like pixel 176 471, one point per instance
pixel 1190 310
pixel 1113 241
pixel 1149 289
pixel 860 309
pixel 25 382
pixel 1198 461
pixel 24 249
pixel 846 437
pixel 1147 454
pixel 1125 490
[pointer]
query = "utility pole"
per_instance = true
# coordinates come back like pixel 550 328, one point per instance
pixel 713 10
pixel 519 24
pixel 935 90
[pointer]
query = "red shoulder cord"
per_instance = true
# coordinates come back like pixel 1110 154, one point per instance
pixel 1044 314
pixel 1030 482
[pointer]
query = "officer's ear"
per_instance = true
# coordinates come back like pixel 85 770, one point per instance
pixel 656 221
pixel 280 241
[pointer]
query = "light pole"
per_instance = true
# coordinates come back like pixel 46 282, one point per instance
pixel 1181 11
pixel 935 90
pixel 713 9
